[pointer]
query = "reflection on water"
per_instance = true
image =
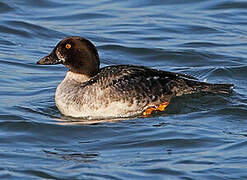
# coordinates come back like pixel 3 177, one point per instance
pixel 67 155
pixel 197 137
pixel 84 121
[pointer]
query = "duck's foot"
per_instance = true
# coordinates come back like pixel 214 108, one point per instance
pixel 149 110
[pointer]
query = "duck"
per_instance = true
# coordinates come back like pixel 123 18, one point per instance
pixel 118 90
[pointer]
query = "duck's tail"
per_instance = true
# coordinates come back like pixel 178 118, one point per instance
pixel 211 88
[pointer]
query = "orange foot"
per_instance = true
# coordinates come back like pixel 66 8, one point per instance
pixel 161 107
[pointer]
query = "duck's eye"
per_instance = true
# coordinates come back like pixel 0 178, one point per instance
pixel 68 46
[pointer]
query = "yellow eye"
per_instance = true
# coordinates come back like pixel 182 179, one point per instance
pixel 68 46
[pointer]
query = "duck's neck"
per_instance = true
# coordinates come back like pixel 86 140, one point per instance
pixel 80 78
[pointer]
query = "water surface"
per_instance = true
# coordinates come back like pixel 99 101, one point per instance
pixel 198 137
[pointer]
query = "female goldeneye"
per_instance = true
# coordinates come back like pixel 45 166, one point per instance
pixel 115 91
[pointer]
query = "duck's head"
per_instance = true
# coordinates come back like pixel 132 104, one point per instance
pixel 76 53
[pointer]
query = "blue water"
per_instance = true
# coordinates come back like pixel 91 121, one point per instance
pixel 198 137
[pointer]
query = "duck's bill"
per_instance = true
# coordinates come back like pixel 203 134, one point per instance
pixel 49 60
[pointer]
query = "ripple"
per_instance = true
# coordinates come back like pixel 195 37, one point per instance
pixel 189 57
pixel 9 30
pixel 201 44
pixel 4 8
pixel 73 156
pixel 77 16
pixel 43 4
pixel 28 30
pixel 229 5
pixel 4 43
pixel 200 29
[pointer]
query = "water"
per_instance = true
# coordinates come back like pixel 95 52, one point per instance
pixel 198 137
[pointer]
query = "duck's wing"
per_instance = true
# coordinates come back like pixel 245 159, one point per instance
pixel 122 70
pixel 181 75
pixel 140 80
pixel 149 82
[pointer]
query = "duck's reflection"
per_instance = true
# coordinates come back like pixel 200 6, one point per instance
pixel 64 120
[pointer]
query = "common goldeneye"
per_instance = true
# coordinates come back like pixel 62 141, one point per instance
pixel 115 91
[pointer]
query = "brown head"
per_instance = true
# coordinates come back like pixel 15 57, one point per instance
pixel 76 53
